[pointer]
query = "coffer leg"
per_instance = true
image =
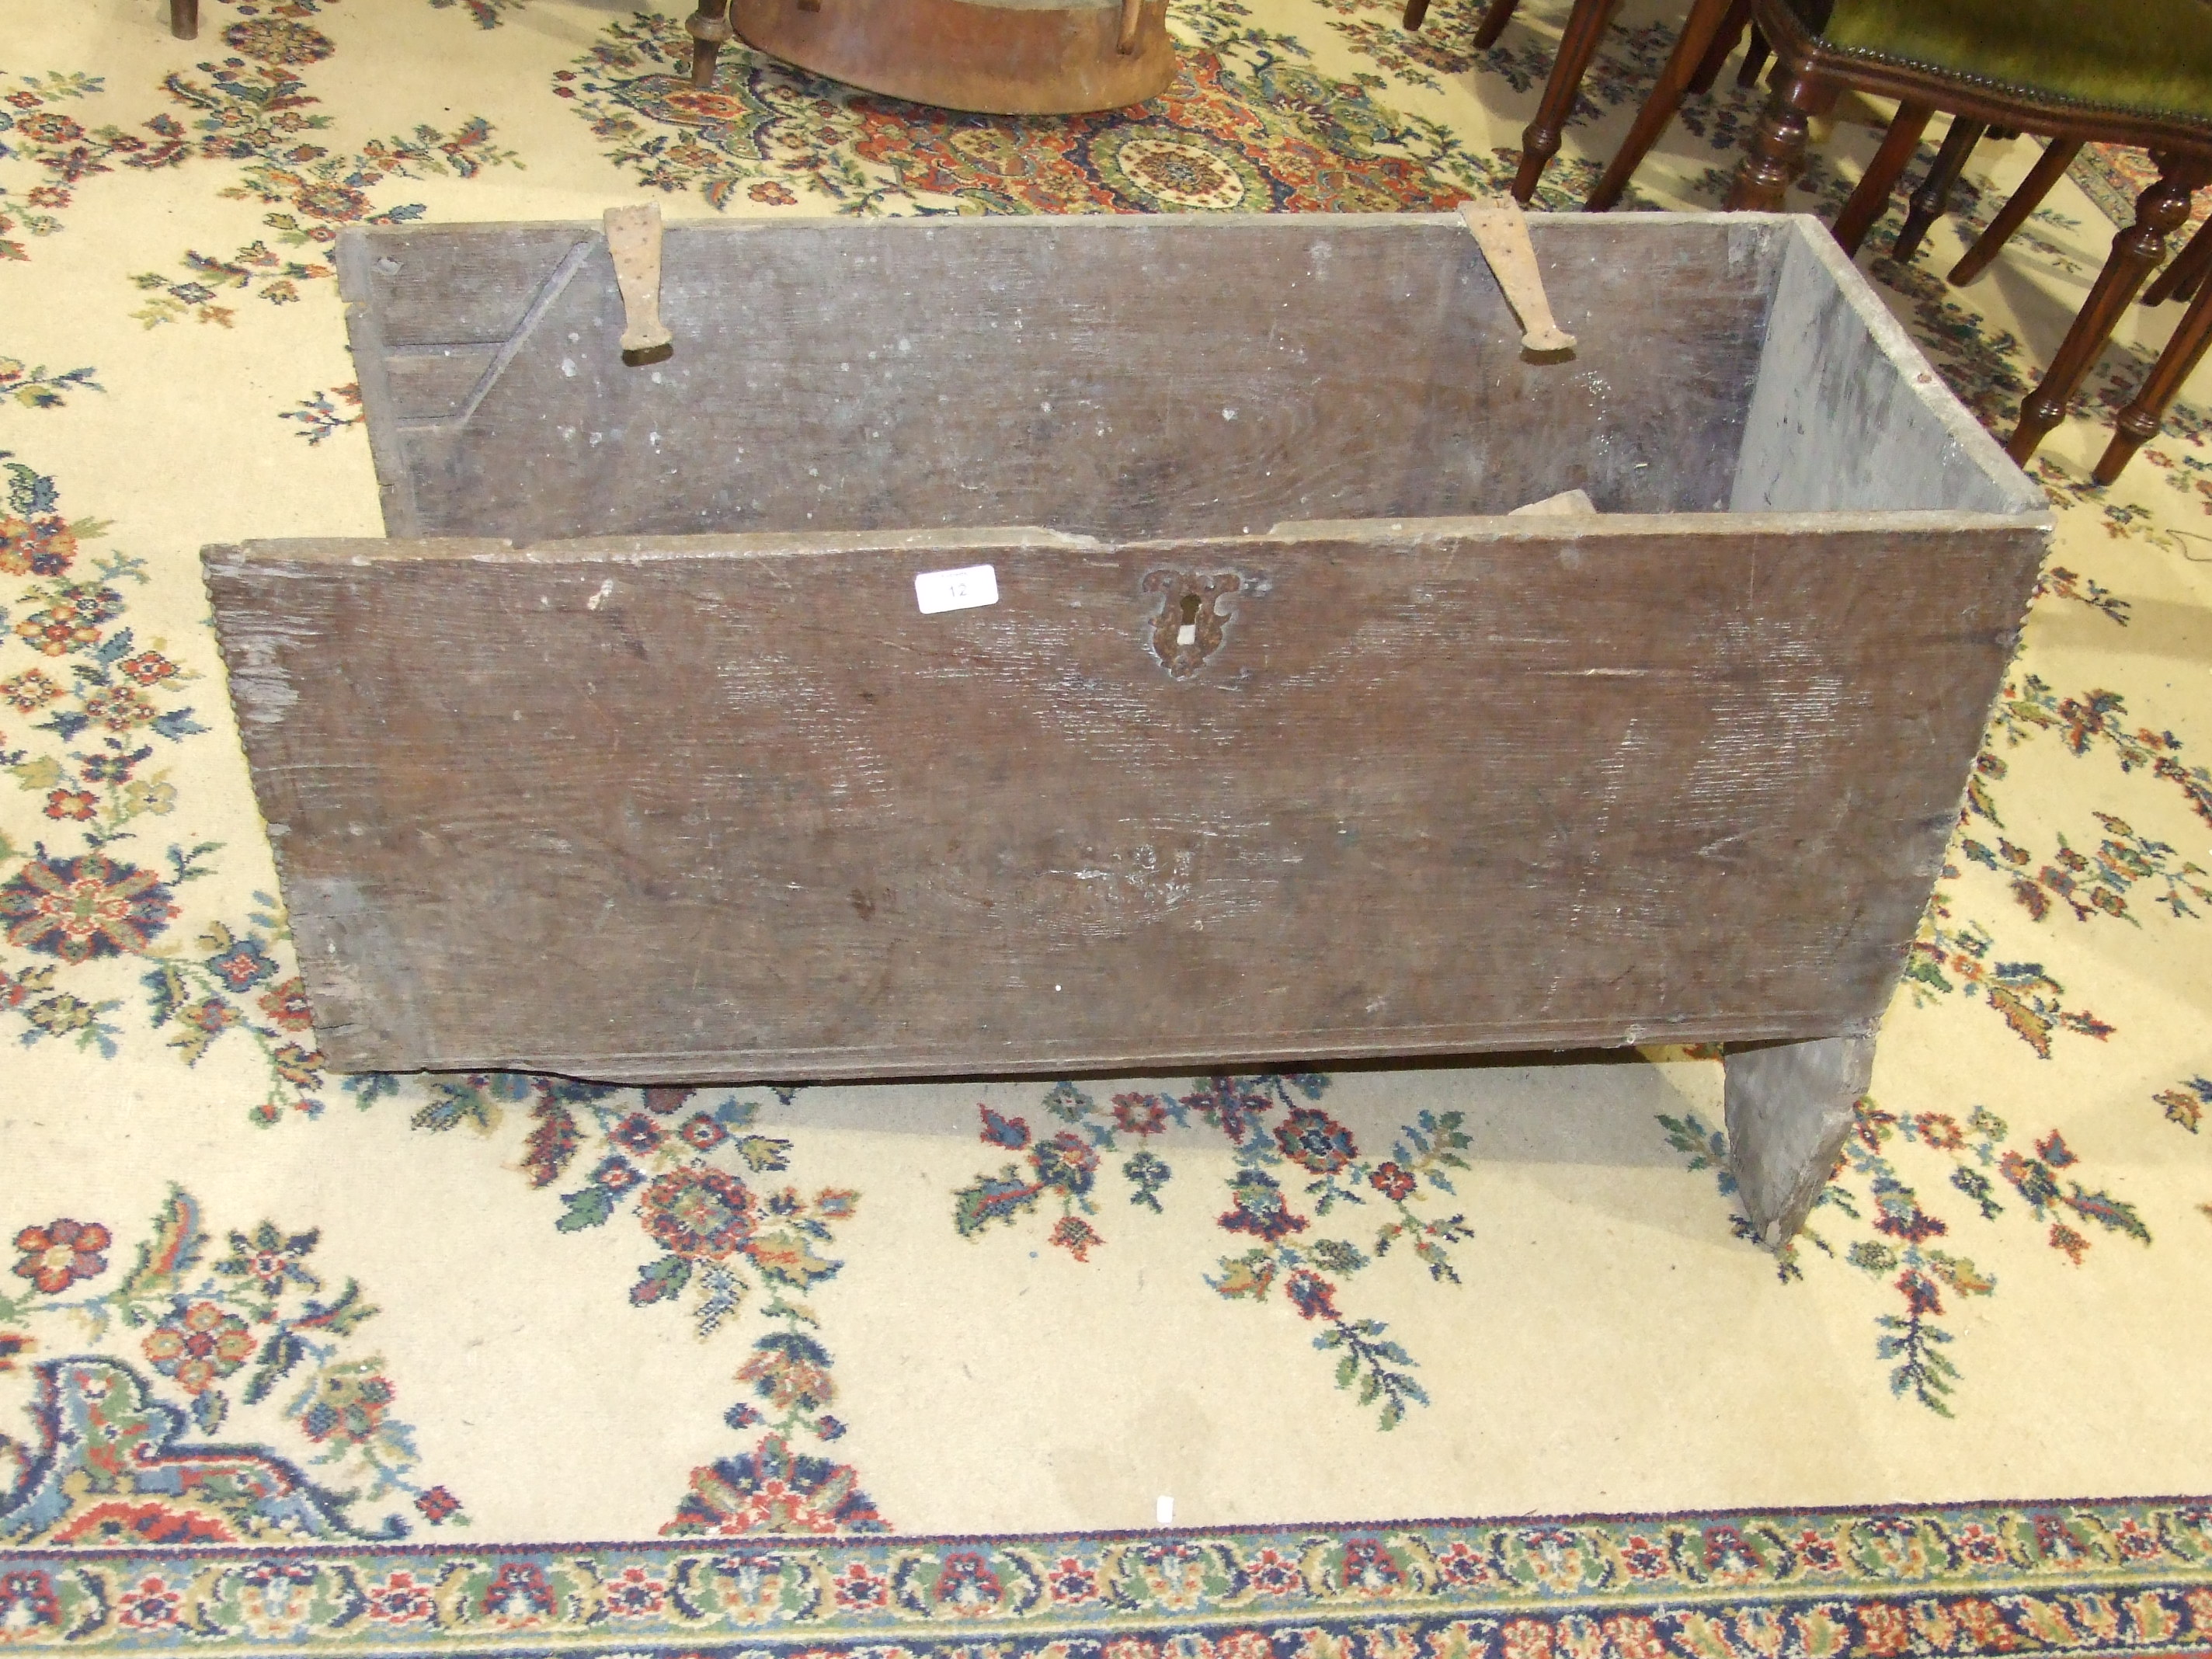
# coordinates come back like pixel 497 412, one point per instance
pixel 1790 1106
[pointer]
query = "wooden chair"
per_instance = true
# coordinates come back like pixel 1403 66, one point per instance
pixel 1578 43
pixel 2183 280
pixel 2138 74
pixel 2178 281
pixel 185 19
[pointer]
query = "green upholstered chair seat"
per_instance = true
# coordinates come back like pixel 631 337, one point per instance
pixel 2149 58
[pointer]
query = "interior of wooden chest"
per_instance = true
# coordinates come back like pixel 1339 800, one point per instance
pixel 1133 376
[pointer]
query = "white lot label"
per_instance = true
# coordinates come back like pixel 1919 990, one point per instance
pixel 955 590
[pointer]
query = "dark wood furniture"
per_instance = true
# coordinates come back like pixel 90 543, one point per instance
pixel 1812 66
pixel 1585 28
pixel 2183 279
pixel 2178 281
pixel 635 755
pixel 185 19
pixel 1026 59
pixel 2138 423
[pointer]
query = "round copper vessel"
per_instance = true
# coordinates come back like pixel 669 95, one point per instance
pixel 998 56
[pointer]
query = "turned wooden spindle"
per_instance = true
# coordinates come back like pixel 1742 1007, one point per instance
pixel 2136 252
pixel 2139 422
pixel 1776 155
pixel 1539 139
pixel 1932 199
pixel 709 29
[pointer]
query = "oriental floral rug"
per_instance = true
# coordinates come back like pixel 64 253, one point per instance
pixel 1107 1368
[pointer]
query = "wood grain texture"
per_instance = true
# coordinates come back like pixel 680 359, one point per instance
pixel 1849 416
pixel 634 758
pixel 1118 376
pixel 732 808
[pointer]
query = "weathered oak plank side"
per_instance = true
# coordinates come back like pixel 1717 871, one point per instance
pixel 1108 376
pixel 1849 416
pixel 447 285
pixel 668 809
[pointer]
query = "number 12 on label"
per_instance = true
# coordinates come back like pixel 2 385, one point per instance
pixel 955 590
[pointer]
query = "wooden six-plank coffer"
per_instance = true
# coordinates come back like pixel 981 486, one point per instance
pixel 633 753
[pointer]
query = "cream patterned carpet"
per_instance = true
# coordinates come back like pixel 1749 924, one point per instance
pixel 554 1336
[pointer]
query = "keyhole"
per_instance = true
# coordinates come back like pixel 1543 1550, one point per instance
pixel 1187 634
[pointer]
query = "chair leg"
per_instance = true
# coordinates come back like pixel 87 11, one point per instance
pixel 1415 11
pixel 708 27
pixel 1716 55
pixel 185 19
pixel 2181 279
pixel 1705 26
pixel 1539 139
pixel 2136 252
pixel 1776 155
pixel 1898 146
pixel 1495 16
pixel 1754 58
pixel 1932 199
pixel 2139 422
pixel 2058 156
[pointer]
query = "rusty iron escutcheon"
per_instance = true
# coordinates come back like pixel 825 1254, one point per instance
pixel 1195 612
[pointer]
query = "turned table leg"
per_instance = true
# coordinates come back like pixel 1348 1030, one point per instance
pixel 1790 1106
pixel 185 19
pixel 1776 155
pixel 2139 422
pixel 1539 139
pixel 2136 250
pixel 709 29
